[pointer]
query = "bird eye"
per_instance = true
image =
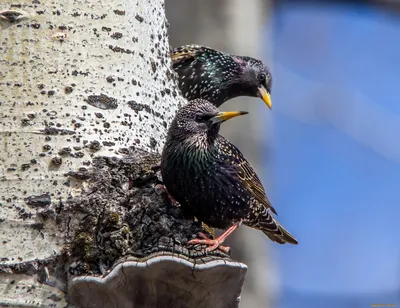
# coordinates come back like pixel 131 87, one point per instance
pixel 200 118
pixel 261 77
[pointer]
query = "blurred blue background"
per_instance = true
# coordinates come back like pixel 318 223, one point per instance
pixel 334 155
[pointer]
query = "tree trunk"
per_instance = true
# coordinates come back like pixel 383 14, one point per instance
pixel 86 95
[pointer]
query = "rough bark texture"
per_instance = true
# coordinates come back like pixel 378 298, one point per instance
pixel 104 88
pixel 86 94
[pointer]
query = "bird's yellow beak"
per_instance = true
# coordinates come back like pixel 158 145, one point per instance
pixel 226 115
pixel 266 97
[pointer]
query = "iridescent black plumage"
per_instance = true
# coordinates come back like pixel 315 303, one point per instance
pixel 211 178
pixel 217 76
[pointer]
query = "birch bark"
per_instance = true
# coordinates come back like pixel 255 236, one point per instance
pixel 78 79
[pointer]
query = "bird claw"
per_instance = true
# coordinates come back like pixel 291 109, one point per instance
pixel 161 190
pixel 212 243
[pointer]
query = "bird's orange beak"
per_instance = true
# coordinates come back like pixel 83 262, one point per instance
pixel 266 97
pixel 226 115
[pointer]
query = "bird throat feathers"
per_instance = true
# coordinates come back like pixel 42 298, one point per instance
pixel 202 143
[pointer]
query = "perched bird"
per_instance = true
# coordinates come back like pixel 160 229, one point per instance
pixel 217 76
pixel 211 179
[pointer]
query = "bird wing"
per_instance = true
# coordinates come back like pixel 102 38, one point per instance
pixel 248 177
pixel 187 52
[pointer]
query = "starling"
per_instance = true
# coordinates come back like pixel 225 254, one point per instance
pixel 217 76
pixel 211 179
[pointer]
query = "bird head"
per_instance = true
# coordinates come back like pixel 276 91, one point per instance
pixel 199 117
pixel 256 78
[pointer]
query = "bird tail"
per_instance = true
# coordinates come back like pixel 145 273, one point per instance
pixel 275 231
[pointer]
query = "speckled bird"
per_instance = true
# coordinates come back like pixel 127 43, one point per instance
pixel 211 179
pixel 216 76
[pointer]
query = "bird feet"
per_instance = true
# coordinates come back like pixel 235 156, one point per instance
pixel 161 190
pixel 218 241
pixel 212 243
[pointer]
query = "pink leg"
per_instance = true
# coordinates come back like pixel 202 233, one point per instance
pixel 215 243
pixel 161 189
pixel 202 237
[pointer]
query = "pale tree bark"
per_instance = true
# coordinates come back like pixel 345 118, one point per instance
pixel 86 95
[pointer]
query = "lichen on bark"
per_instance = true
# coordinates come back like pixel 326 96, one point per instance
pixel 120 214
